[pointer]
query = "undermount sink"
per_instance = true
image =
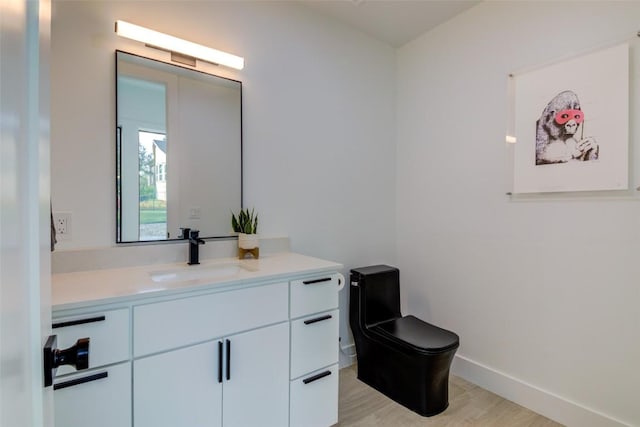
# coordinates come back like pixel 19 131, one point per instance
pixel 193 272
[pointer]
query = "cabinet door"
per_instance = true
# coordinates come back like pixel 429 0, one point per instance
pixel 257 391
pixel 96 398
pixel 179 388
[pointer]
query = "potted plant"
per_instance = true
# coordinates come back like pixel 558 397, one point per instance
pixel 246 225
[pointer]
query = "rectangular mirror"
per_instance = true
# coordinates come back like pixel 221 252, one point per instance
pixel 178 150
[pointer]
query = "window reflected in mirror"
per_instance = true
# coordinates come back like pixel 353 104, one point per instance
pixel 152 161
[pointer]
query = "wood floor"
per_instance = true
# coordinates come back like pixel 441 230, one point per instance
pixel 469 405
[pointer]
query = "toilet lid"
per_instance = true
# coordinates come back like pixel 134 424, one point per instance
pixel 419 335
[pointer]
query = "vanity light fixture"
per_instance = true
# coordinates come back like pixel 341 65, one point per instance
pixel 185 49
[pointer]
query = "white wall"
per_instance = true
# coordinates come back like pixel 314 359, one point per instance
pixel 319 120
pixel 544 292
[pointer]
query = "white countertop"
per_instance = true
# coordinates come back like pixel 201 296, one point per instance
pixel 85 288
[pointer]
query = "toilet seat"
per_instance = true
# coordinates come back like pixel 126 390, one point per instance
pixel 417 335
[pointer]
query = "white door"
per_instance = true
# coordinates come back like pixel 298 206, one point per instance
pixel 256 392
pixel 25 308
pixel 179 388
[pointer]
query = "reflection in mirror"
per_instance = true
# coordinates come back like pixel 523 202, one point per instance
pixel 178 149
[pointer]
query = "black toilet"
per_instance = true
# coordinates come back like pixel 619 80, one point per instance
pixel 403 357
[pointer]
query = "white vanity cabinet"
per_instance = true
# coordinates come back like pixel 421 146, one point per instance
pixel 101 395
pixel 257 349
pixel 238 377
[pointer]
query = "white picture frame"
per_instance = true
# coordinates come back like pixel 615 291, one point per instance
pixel 571 124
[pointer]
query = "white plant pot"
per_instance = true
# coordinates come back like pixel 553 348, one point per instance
pixel 248 241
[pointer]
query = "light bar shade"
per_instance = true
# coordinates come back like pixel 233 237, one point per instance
pixel 174 44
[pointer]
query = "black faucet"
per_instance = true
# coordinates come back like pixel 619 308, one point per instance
pixel 194 242
pixel 184 232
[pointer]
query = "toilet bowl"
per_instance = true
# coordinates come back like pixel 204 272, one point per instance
pixel 403 357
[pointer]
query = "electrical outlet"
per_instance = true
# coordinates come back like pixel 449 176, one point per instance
pixel 195 212
pixel 62 225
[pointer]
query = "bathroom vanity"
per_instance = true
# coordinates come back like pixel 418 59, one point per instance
pixel 225 343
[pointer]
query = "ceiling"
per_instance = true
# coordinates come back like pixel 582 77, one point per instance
pixel 395 22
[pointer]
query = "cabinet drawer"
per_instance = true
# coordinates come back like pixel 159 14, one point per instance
pixel 170 324
pixel 97 398
pixel 314 342
pixel 314 399
pixel 314 294
pixel 107 331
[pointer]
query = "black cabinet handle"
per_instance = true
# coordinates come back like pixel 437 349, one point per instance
pixel 78 381
pixel 219 361
pixel 78 322
pixel 316 377
pixel 228 359
pixel 317 319
pixel 311 282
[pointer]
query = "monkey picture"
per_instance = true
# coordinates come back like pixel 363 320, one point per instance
pixel 557 139
pixel 579 107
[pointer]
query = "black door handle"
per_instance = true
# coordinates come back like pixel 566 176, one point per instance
pixel 77 355
pixel 228 359
pixel 219 361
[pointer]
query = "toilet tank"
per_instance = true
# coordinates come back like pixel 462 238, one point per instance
pixel 377 292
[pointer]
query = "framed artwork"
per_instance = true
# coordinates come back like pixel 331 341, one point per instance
pixel 571 124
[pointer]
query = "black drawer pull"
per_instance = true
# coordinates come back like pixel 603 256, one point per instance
pixel 316 377
pixel 78 322
pixel 311 282
pixel 317 319
pixel 82 380
pixel 219 361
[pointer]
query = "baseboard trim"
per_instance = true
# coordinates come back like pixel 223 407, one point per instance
pixel 538 400
pixel 347 355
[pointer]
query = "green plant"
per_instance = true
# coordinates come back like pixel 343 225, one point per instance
pixel 246 222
